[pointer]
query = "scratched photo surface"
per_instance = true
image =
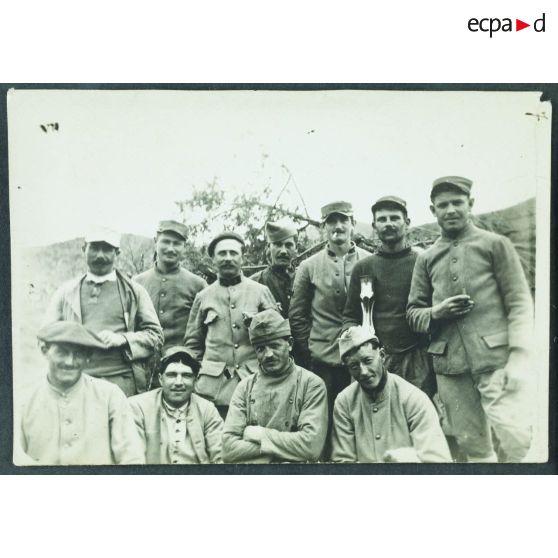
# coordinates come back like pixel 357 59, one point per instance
pixel 286 330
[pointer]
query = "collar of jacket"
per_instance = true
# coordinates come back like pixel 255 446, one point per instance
pixel 289 369
pixel 381 392
pixel 279 269
pixel 466 232
pixel 224 282
pixel 352 249
pixel 65 392
pixel 394 255
pixel 100 279
pixel 159 272
pixel 174 412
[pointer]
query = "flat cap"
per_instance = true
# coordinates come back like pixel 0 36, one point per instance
pixel 70 332
pixel 279 230
pixel 268 325
pixel 172 226
pixel 353 338
pixel 342 207
pixel 459 183
pixel 390 201
pixel 103 234
pixel 223 236
pixel 178 352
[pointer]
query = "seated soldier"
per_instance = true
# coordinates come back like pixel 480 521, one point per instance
pixel 381 417
pixel 71 418
pixel 176 425
pixel 280 413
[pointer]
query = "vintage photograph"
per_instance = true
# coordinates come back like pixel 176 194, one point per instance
pixel 279 276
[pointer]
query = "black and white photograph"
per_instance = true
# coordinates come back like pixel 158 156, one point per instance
pixel 259 276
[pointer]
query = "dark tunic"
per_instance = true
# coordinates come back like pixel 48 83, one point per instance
pixel 280 283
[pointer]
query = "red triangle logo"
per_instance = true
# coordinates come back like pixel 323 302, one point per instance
pixel 519 25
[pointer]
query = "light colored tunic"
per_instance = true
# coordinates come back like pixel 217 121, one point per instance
pixel 89 424
pixel 401 416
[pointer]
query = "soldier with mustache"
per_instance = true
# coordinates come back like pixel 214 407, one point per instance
pixel 216 334
pixel 390 271
pixel 117 310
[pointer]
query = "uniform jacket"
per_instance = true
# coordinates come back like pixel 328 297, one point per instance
pixel 204 426
pixel 90 424
pixel 401 416
pixel 320 292
pixel 144 330
pixel 172 295
pixel 485 266
pixel 296 433
pixel 280 283
pixel 217 336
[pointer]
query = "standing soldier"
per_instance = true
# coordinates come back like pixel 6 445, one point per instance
pixel 171 287
pixel 389 274
pixel 278 277
pixel 216 335
pixel 118 310
pixel 320 291
pixel 470 294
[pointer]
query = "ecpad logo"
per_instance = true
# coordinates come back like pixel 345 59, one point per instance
pixel 493 25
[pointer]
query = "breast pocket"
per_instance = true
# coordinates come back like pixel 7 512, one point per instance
pixel 211 317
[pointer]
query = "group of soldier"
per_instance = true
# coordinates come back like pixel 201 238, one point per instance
pixel 405 355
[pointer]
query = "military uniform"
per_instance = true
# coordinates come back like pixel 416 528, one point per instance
pixel 289 407
pixel 471 352
pixel 217 337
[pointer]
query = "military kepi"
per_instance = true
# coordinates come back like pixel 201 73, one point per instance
pixel 268 325
pixel 390 201
pixel 103 234
pixel 353 338
pixel 342 207
pixel 70 332
pixel 222 236
pixel 173 227
pixel 279 230
pixel 459 183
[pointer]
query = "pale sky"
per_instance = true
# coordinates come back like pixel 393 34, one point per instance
pixel 122 158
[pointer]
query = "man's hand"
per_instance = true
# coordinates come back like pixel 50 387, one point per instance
pixel 111 339
pixel 401 455
pixel 516 369
pixel 453 307
pixel 253 434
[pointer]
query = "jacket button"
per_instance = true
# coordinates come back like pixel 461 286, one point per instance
pixel 164 279
pixel 375 410
pixel 290 399
pixel 237 366
pixel 162 294
pixel 234 326
pixel 236 345
pixel 454 260
pixel 378 436
pixel 454 278
pixel 232 306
